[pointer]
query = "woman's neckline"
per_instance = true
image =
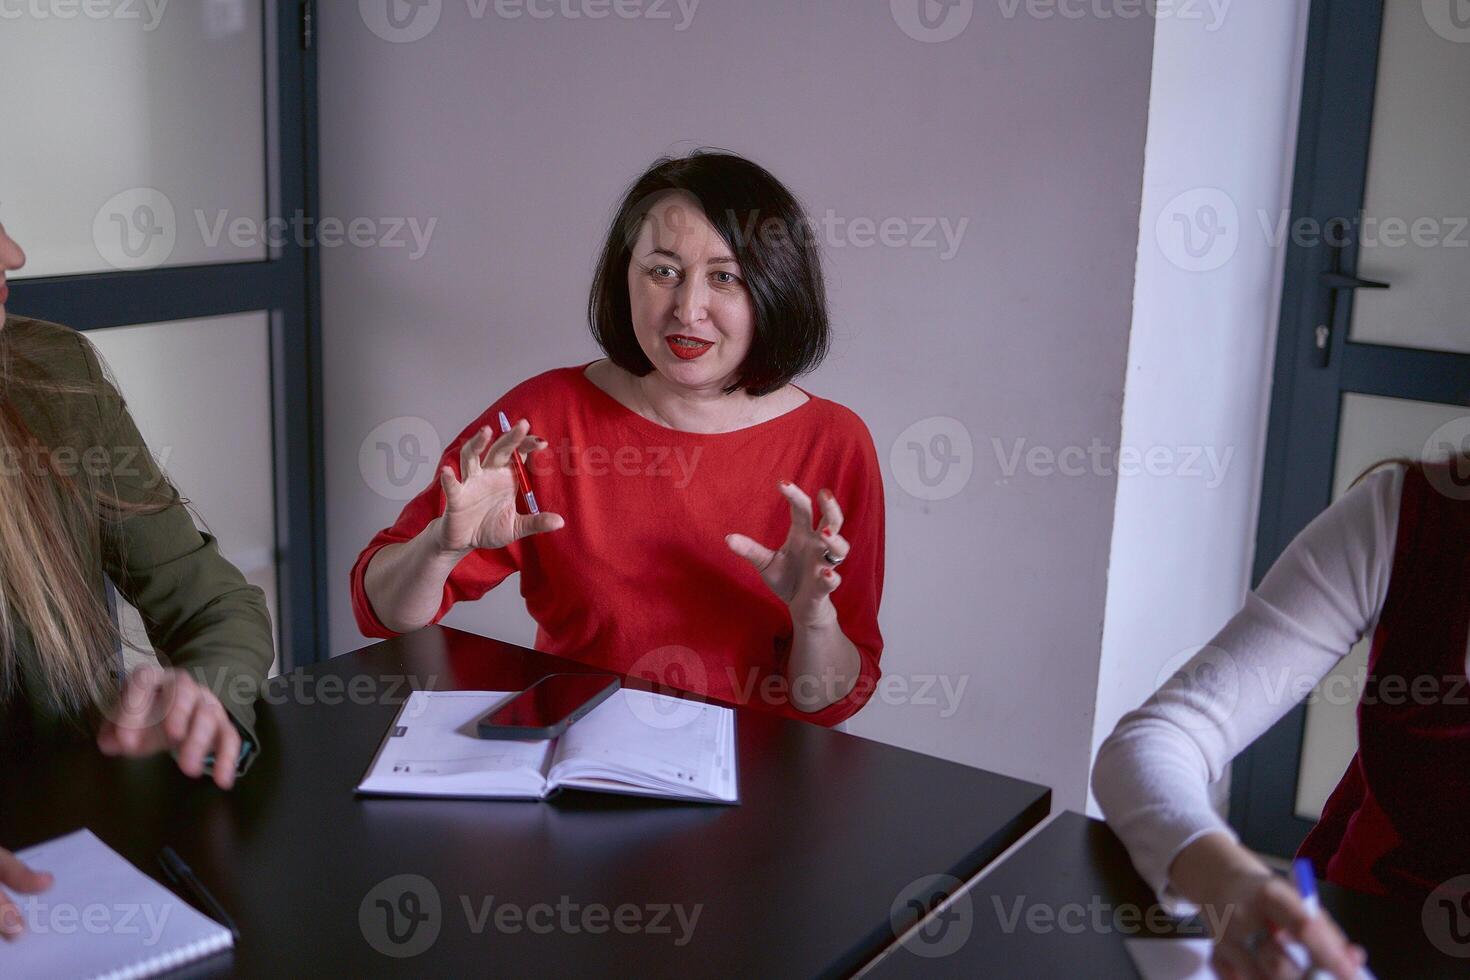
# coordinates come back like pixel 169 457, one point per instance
pixel 652 426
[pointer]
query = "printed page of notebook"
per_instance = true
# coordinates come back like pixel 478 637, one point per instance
pixel 1189 959
pixel 433 750
pixel 1171 959
pixel 679 743
pixel 102 917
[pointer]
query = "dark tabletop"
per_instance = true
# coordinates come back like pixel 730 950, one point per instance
pixel 1063 903
pixel 800 879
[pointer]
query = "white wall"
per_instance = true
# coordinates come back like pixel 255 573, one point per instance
pixel 517 136
pixel 1222 133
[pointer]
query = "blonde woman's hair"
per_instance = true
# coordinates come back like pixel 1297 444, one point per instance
pixel 53 518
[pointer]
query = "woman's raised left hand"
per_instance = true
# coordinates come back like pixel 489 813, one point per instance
pixel 799 572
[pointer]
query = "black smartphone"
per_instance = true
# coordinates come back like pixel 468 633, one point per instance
pixel 546 708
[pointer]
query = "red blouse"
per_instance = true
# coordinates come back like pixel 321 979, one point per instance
pixel 640 581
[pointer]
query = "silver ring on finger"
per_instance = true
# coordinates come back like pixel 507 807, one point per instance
pixel 832 559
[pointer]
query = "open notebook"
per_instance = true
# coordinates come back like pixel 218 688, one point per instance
pixel 635 742
pixel 103 918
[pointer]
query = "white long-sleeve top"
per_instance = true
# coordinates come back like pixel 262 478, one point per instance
pixel 1321 596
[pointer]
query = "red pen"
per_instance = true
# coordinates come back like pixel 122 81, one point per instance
pixel 515 457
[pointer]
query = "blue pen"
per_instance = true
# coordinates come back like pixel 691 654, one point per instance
pixel 1306 886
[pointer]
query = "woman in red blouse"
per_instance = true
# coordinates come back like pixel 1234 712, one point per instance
pixel 680 539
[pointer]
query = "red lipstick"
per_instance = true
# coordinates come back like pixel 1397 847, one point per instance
pixel 691 348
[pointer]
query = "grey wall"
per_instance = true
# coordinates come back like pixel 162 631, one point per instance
pixel 517 135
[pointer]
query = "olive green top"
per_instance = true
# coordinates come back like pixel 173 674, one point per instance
pixel 200 613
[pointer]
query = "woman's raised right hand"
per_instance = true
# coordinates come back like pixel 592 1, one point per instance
pixel 480 506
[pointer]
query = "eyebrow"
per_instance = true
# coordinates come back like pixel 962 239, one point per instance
pixel 717 260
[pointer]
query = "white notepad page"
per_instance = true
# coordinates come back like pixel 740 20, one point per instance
pixel 1189 959
pixel 102 918
pixel 434 748
pixel 1172 959
pixel 682 745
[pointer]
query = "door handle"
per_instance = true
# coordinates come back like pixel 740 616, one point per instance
pixel 1341 280
pixel 1335 280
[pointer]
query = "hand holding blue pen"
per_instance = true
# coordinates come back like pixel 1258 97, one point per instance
pixel 1306 886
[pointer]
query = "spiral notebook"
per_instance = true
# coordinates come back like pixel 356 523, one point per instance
pixel 103 918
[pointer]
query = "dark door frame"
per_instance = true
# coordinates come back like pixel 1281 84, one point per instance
pixel 288 285
pixel 1339 79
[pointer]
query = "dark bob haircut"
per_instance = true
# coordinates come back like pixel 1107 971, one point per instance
pixel 768 234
